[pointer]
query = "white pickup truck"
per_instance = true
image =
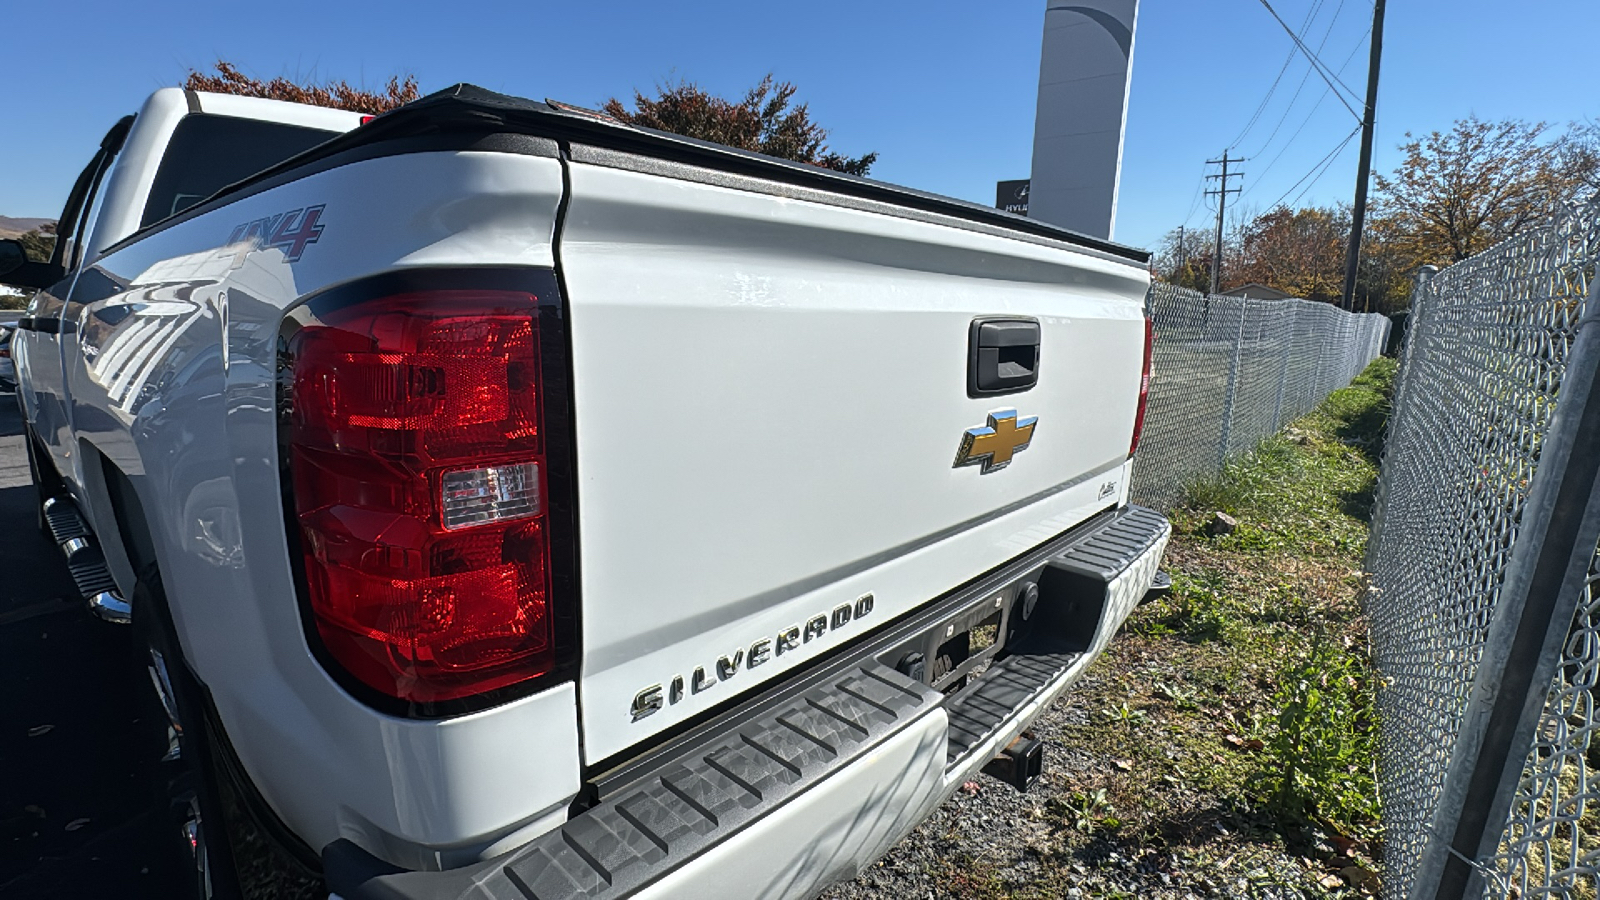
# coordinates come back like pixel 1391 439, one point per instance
pixel 511 503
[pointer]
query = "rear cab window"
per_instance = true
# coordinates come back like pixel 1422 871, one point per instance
pixel 209 152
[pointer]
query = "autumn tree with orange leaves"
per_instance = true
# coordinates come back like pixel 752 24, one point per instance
pixel 763 122
pixel 1300 252
pixel 1458 192
pixel 227 79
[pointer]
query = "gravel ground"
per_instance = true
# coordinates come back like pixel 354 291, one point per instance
pixel 990 841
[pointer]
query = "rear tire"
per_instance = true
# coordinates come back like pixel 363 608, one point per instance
pixel 189 793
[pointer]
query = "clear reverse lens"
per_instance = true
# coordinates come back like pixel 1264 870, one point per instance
pixel 490 494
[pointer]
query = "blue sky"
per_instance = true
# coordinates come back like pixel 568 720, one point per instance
pixel 944 91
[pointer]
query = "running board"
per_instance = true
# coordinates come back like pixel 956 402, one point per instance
pixel 85 562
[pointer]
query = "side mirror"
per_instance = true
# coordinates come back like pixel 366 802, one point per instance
pixel 19 271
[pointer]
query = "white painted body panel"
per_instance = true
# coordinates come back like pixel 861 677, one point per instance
pixel 769 396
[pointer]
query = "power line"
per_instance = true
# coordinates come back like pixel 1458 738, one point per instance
pixel 1316 63
pixel 1360 42
pixel 1307 77
pixel 1325 169
pixel 1260 177
pixel 1304 26
pixel 1322 68
pixel 1194 202
pixel 1321 164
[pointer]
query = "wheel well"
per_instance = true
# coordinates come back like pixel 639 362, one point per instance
pixel 242 797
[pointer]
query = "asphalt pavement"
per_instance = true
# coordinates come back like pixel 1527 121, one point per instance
pixel 78 800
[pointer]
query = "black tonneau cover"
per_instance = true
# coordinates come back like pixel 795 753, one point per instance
pixel 466 116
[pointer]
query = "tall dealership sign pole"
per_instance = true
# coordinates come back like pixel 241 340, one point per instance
pixel 1358 216
pixel 1085 66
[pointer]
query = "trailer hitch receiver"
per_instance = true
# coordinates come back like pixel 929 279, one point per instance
pixel 1019 764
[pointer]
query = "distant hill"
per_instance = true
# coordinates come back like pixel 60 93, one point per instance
pixel 10 227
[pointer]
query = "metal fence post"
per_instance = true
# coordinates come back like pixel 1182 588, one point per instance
pixel 1544 576
pixel 1283 370
pixel 1233 388
pixel 1419 292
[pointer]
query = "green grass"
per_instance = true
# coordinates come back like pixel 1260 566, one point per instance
pixel 1240 704
pixel 1303 500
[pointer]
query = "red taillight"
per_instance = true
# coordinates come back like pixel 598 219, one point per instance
pixel 419 478
pixel 1144 383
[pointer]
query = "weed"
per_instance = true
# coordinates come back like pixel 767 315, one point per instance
pixel 1320 747
pixel 1127 716
pixel 1180 696
pixel 1192 609
pixel 1086 811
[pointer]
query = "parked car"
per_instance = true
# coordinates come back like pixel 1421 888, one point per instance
pixel 8 370
pixel 511 502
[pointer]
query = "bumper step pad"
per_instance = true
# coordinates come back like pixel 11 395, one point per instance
pixel 978 711
pixel 1108 551
pixel 649 829
pixel 1093 560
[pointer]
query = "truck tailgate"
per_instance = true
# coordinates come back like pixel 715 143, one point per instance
pixel 769 396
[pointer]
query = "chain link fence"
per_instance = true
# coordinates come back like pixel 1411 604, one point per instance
pixel 1483 604
pixel 1229 372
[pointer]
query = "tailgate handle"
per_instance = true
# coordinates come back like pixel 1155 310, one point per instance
pixel 1002 356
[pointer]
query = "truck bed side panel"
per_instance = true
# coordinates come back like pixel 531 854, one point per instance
pixel 176 387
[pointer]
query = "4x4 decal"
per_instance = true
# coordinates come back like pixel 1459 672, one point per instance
pixel 290 232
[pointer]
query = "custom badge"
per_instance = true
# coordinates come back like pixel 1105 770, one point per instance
pixel 992 446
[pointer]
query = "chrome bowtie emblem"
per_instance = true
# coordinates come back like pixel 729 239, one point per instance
pixel 993 445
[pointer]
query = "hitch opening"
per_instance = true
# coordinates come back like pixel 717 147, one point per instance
pixel 1019 764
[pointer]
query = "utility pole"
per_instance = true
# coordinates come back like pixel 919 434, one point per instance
pixel 1221 193
pixel 1183 251
pixel 1358 215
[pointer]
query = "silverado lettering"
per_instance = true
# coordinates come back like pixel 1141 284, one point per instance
pixel 652 699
